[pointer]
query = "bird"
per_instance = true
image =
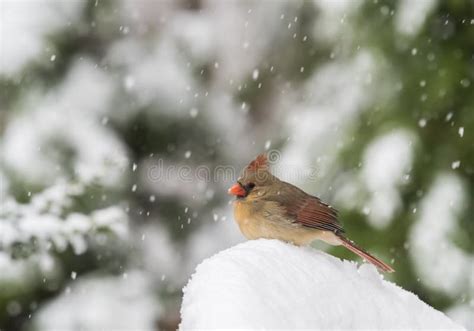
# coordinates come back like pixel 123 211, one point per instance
pixel 267 207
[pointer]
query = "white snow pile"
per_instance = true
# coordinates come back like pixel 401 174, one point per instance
pixel 268 284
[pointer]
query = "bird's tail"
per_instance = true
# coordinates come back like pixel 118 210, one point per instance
pixel 350 245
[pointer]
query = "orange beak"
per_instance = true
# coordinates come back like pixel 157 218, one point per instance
pixel 237 190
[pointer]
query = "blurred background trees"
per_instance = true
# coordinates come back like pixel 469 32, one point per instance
pixel 98 98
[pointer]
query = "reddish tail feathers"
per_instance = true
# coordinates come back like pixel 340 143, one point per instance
pixel 350 245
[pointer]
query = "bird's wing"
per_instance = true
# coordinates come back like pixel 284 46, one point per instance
pixel 308 210
pixel 312 212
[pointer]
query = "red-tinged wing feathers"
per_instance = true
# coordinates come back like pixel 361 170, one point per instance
pixel 313 213
pixel 305 209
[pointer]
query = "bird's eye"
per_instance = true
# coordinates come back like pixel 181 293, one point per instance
pixel 250 186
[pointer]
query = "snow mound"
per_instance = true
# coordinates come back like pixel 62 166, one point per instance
pixel 268 284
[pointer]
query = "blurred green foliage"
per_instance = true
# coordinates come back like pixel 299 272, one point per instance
pixel 430 77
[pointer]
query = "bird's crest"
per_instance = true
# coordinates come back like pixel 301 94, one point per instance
pixel 260 163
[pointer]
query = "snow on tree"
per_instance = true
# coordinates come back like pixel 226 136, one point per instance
pixel 103 303
pixel 99 98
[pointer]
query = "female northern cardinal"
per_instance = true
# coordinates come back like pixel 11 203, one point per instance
pixel 267 207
